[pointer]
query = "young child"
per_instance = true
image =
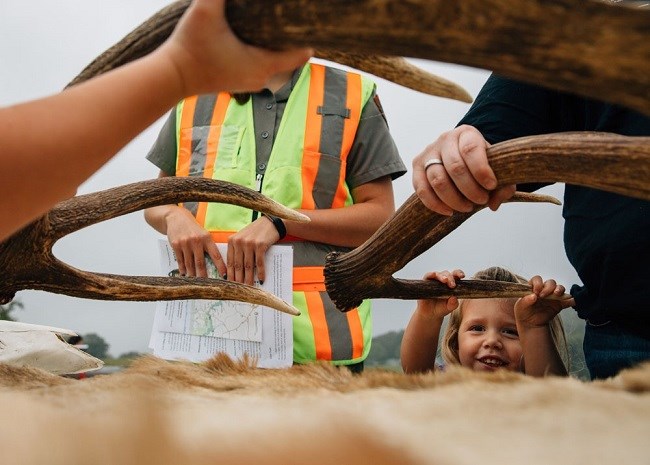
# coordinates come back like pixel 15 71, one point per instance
pixel 523 334
pixel 49 146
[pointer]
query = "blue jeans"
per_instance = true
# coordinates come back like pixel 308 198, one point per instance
pixel 609 348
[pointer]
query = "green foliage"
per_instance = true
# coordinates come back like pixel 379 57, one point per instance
pixel 385 349
pixel 7 310
pixel 130 355
pixel 97 346
pixel 123 360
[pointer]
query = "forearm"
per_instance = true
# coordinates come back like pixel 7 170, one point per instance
pixel 420 342
pixel 541 357
pixel 349 226
pixel 159 217
pixel 78 131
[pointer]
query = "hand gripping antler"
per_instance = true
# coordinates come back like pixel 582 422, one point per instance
pixel 27 261
pixel 608 162
pixel 588 47
pixel 150 34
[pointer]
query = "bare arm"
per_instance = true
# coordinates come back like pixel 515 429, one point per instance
pixel 189 240
pixel 51 145
pixel 533 314
pixel 420 340
pixel 350 226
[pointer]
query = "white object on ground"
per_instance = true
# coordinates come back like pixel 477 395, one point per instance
pixel 44 347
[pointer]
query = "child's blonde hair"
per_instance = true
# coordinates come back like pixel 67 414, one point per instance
pixel 449 347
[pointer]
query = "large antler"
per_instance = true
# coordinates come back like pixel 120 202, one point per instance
pixel 608 162
pixel 587 47
pixel 150 34
pixel 28 254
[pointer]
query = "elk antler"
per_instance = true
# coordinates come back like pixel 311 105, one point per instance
pixel 153 32
pixel 591 48
pixel 606 55
pixel 28 253
pixel 604 161
pixel 399 71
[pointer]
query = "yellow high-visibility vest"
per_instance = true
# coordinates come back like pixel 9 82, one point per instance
pixel 306 170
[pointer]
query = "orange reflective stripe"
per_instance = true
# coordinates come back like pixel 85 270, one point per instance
pixel 353 102
pixel 290 238
pixel 319 323
pixel 312 135
pixel 221 237
pixel 185 144
pixel 308 278
pixel 309 287
pixel 218 115
pixel 356 332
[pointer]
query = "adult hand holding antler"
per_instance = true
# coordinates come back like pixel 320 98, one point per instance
pixel 208 57
pixel 51 145
pixel 453 173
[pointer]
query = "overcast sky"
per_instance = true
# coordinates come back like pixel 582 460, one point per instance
pixel 46 44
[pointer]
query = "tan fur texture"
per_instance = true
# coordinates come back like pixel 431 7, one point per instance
pixel 163 413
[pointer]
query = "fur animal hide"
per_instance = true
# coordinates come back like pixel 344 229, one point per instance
pixel 163 413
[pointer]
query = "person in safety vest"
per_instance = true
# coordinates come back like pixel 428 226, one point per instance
pixel 50 145
pixel 315 140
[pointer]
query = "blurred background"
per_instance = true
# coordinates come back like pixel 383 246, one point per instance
pixel 48 43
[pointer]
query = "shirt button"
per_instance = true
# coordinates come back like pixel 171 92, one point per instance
pixel 269 106
pixel 261 166
pixel 265 134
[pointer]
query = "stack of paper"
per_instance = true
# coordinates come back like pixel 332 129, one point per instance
pixel 196 330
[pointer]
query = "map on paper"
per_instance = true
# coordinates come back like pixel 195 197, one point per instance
pixel 225 319
pixel 219 318
pixel 197 329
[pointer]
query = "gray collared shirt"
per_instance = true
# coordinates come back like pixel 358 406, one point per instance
pixel 373 154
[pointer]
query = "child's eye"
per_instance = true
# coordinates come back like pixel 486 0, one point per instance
pixel 511 332
pixel 477 328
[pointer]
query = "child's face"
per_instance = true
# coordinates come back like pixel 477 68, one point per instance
pixel 487 337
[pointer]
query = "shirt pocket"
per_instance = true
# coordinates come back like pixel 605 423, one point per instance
pixel 203 147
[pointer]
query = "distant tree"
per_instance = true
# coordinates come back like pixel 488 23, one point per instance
pixel 385 348
pixel 132 354
pixel 97 346
pixel 6 310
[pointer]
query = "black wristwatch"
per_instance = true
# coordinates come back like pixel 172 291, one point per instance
pixel 279 225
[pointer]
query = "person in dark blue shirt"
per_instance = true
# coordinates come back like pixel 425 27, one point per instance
pixel 606 236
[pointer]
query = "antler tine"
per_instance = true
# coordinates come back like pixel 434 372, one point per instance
pixel 606 56
pixel 399 71
pixel 354 276
pixel 438 231
pixel 604 161
pixel 85 210
pixel 70 281
pixel 525 40
pixel 28 253
pixel 153 32
pixel 609 162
